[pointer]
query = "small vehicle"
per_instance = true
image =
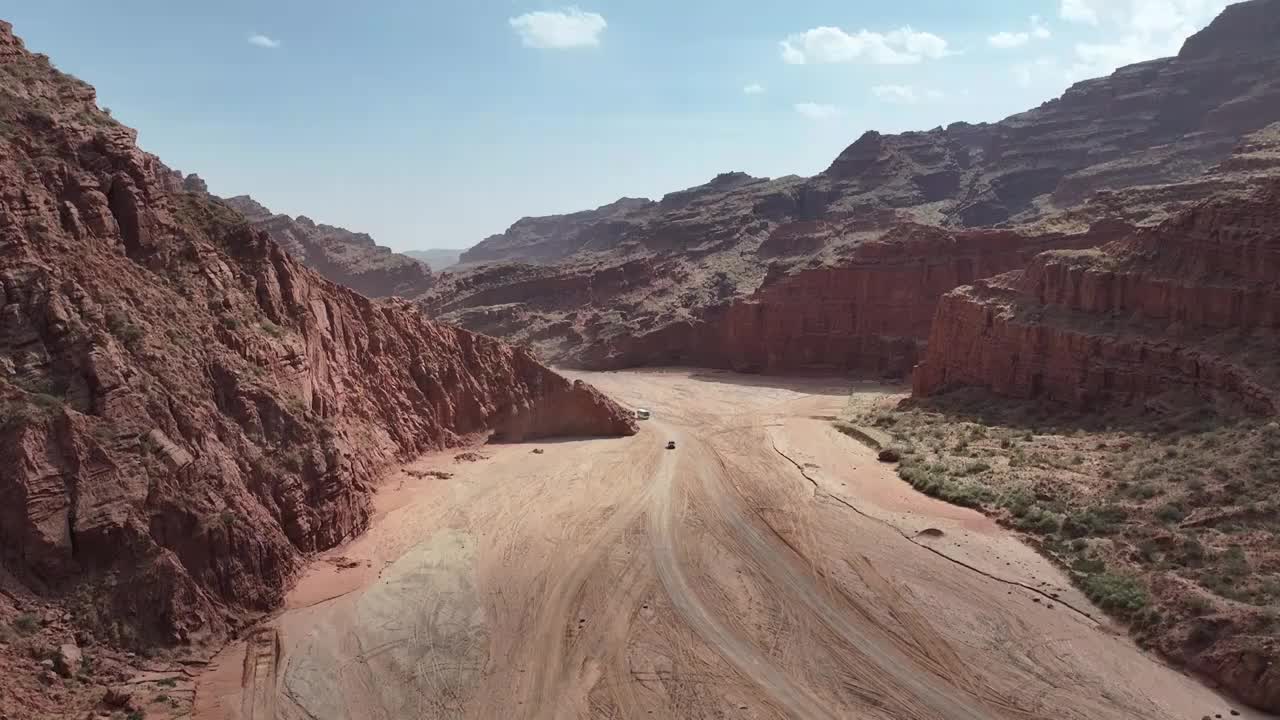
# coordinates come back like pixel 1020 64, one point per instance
pixel 671 444
pixel 642 414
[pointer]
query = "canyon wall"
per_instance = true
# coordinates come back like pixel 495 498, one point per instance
pixel 185 409
pixel 1190 305
pixel 869 313
pixel 765 274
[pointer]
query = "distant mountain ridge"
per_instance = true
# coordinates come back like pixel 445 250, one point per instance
pixel 345 257
pixel 436 258
pixel 701 275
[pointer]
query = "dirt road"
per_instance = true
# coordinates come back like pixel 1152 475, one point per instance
pixel 767 567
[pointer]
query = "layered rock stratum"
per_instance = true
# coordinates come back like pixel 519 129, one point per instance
pixel 1192 304
pixel 773 275
pixel 186 409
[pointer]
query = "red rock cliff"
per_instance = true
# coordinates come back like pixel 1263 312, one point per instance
pixel 185 409
pixel 1191 304
pixel 1152 136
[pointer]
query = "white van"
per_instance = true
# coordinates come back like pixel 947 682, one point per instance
pixel 642 414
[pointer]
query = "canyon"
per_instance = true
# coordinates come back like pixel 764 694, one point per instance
pixel 771 274
pixel 1191 304
pixel 200 398
pixel 186 410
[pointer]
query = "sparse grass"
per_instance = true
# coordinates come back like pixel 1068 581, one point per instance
pixel 1122 502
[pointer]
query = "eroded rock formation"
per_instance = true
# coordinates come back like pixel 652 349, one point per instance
pixel 186 409
pixel 728 254
pixel 1192 304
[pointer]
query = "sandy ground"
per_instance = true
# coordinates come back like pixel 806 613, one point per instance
pixel 768 567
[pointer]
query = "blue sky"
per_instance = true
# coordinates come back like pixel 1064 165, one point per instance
pixel 433 124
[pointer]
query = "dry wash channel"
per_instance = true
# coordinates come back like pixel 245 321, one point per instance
pixel 766 568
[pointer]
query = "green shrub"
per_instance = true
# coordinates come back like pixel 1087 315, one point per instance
pixel 1017 502
pixel 1040 521
pixel 1171 512
pixel 26 623
pixel 1120 594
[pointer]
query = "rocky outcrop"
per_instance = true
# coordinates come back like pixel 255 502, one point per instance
pixel 1168 319
pixel 347 258
pixel 721 253
pixel 185 409
pixel 1193 304
pixel 548 239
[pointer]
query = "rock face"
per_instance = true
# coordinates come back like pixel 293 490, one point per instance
pixel 1192 304
pixel 186 409
pixel 722 255
pixel 868 313
pixel 345 257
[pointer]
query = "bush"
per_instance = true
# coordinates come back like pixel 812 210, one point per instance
pixel 1040 521
pixel 124 329
pixel 1171 512
pixel 1017 502
pixel 1093 521
pixel 974 468
pixel 26 623
pixel 1120 594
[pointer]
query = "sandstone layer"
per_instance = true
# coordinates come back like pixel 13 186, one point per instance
pixel 699 275
pixel 186 410
pixel 1190 305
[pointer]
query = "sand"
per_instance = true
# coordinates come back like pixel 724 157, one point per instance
pixel 768 567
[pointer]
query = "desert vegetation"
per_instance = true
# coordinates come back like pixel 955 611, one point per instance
pixel 1168 519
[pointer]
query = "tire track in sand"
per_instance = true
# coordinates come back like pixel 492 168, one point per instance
pixel 738 651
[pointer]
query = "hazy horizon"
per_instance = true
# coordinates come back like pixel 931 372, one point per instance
pixel 434 126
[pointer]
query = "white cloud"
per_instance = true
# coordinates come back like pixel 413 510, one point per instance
pixel 1038 29
pixel 567 28
pixel 263 41
pixel 905 94
pixel 753 89
pixel 1029 73
pixel 832 45
pixel 1139 29
pixel 1078 11
pixel 1006 40
pixel 817 111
